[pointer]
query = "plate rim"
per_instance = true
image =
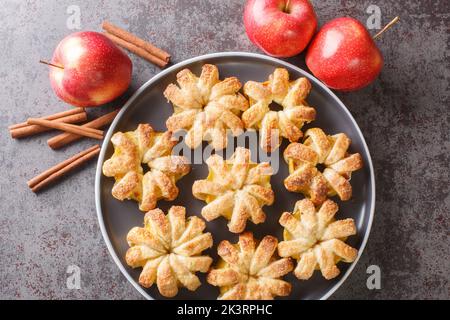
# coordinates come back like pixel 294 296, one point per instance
pixel 160 75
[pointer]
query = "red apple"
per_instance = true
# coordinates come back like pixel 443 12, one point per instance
pixel 344 55
pixel 93 70
pixel 281 28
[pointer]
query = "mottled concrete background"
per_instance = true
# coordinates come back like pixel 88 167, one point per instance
pixel 404 117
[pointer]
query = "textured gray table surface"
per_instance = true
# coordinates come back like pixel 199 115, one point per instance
pixel 404 117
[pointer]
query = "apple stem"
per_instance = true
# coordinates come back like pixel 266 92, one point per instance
pixel 388 26
pixel 51 64
pixel 286 7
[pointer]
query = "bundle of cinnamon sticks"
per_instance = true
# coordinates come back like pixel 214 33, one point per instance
pixel 22 130
pixel 64 121
pixel 49 176
pixel 138 46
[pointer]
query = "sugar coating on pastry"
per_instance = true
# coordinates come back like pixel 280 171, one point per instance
pixel 286 123
pixel 329 151
pixel 250 270
pixel 315 239
pixel 144 145
pixel 168 249
pixel 206 107
pixel 236 189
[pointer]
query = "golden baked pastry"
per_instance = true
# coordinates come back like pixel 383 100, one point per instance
pixel 315 239
pixel 329 151
pixel 206 107
pixel 275 125
pixel 250 271
pixel 169 249
pixel 236 189
pixel 153 148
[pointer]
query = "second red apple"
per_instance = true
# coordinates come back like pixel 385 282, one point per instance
pixel 344 55
pixel 281 28
pixel 92 70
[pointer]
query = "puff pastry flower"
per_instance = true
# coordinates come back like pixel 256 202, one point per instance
pixel 206 107
pixel 315 239
pixel 286 123
pixel 236 189
pixel 169 249
pixel 329 151
pixel 250 271
pixel 144 145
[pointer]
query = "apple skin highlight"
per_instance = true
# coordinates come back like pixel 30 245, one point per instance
pixel 95 71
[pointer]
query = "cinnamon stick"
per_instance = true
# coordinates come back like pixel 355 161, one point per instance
pixel 65 138
pixel 87 132
pixel 50 117
pixel 27 130
pixel 131 38
pixel 49 176
pixel 137 50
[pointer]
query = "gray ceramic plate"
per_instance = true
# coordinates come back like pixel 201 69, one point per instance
pixel 148 105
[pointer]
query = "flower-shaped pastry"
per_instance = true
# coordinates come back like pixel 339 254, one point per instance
pixel 168 249
pixel 250 271
pixel 273 125
pixel 206 107
pixel 315 239
pixel 329 151
pixel 236 189
pixel 153 148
